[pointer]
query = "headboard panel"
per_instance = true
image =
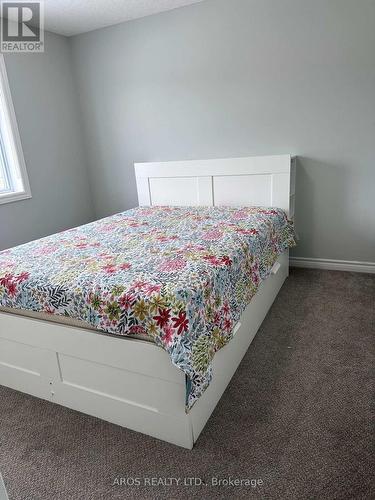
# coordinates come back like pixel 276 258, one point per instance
pixel 261 180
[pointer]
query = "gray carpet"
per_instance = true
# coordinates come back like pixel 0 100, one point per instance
pixel 297 416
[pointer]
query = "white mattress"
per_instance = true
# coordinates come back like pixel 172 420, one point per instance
pixel 65 320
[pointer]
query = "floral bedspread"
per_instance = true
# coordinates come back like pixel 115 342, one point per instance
pixel 182 275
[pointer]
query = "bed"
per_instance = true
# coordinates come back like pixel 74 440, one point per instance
pixel 161 369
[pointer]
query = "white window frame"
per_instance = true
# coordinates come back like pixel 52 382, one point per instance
pixel 19 182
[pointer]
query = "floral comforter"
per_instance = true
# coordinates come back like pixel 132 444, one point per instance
pixel 182 275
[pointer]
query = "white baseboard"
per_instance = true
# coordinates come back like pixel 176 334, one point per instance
pixel 333 265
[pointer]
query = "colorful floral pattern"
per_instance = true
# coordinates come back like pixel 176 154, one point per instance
pixel 182 275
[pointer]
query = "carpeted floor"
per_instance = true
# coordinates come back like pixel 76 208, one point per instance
pixel 297 416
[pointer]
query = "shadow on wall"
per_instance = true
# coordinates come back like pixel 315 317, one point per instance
pixel 321 184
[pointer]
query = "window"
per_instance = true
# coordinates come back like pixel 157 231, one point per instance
pixel 14 184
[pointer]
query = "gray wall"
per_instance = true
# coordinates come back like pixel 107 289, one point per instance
pixel 242 77
pixel 46 105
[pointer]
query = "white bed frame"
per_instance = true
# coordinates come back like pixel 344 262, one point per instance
pixel 130 382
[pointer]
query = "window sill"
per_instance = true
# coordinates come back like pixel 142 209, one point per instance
pixel 11 197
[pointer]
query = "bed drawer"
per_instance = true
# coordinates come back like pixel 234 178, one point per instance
pixel 25 367
pixel 119 384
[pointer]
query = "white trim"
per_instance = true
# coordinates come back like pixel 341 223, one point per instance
pixel 10 197
pixel 333 265
pixel 14 141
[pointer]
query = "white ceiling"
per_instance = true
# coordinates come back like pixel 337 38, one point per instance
pixel 72 17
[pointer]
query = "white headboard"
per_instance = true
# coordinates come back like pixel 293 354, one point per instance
pixel 257 180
